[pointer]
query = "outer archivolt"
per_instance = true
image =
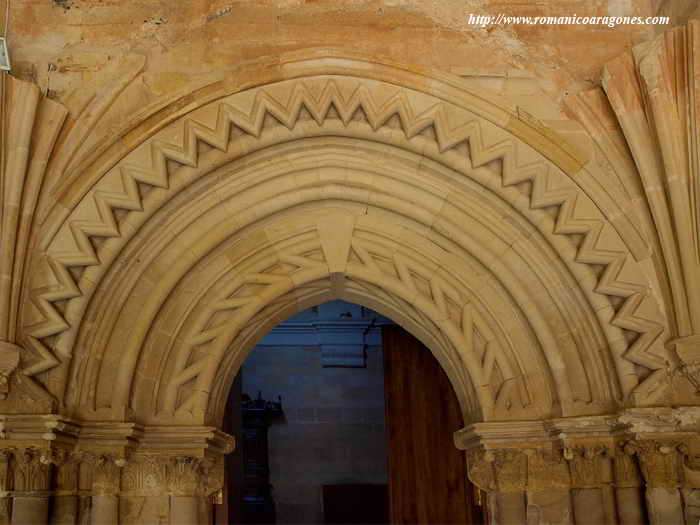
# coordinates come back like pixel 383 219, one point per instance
pixel 119 206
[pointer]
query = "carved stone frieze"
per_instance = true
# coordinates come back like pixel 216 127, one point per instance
pixel 539 469
pixel 662 464
pixel 656 448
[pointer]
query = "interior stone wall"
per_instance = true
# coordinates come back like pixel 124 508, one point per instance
pixel 333 429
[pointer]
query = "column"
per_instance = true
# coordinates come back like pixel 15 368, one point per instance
pixel 5 486
pixel 187 487
pixel 65 504
pixel 563 472
pixel 106 472
pixel 629 490
pixel 172 475
pixel 543 485
pixel 30 498
pixel 592 492
pixel 548 488
pixel 85 476
pixel 502 473
pixel 661 463
pixel 144 495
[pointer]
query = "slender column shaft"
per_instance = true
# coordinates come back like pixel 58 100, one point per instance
pixel 5 510
pixel 589 506
pixel 664 506
pixel 630 506
pixel 32 473
pixel 609 505
pixel 184 510
pixel 30 510
pixel 105 490
pixel 691 505
pixel 549 507
pixel 105 510
pixel 64 510
pixel 507 507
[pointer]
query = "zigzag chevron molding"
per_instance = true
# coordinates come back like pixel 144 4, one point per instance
pixel 176 182
pixel 91 237
pixel 469 337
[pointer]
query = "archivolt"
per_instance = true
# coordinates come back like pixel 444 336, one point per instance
pixel 443 167
pixel 256 257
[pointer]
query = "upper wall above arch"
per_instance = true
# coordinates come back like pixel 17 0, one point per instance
pixel 450 155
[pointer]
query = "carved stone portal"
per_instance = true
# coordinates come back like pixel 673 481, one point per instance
pixel 588 470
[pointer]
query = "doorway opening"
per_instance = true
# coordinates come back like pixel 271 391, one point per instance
pixel 343 417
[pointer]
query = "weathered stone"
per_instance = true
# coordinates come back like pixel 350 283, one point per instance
pixel 169 193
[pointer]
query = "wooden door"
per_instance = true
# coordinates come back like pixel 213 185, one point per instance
pixel 427 474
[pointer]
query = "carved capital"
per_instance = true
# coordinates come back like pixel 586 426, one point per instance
pixel 626 469
pixel 659 447
pixel 186 475
pixel 32 469
pixel 480 470
pixel 215 476
pixel 67 470
pixel 589 465
pixel 145 475
pixel 547 469
pixel 516 469
pixel 106 472
pixel 661 462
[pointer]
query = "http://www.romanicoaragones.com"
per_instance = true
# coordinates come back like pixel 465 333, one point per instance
pixel 609 21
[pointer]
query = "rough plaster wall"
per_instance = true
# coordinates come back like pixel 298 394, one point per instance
pixel 68 45
pixel 333 431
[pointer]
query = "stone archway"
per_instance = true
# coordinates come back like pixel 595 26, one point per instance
pixel 459 174
pixel 479 230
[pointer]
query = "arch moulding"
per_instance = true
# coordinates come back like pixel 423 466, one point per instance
pixel 158 260
pixel 407 161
